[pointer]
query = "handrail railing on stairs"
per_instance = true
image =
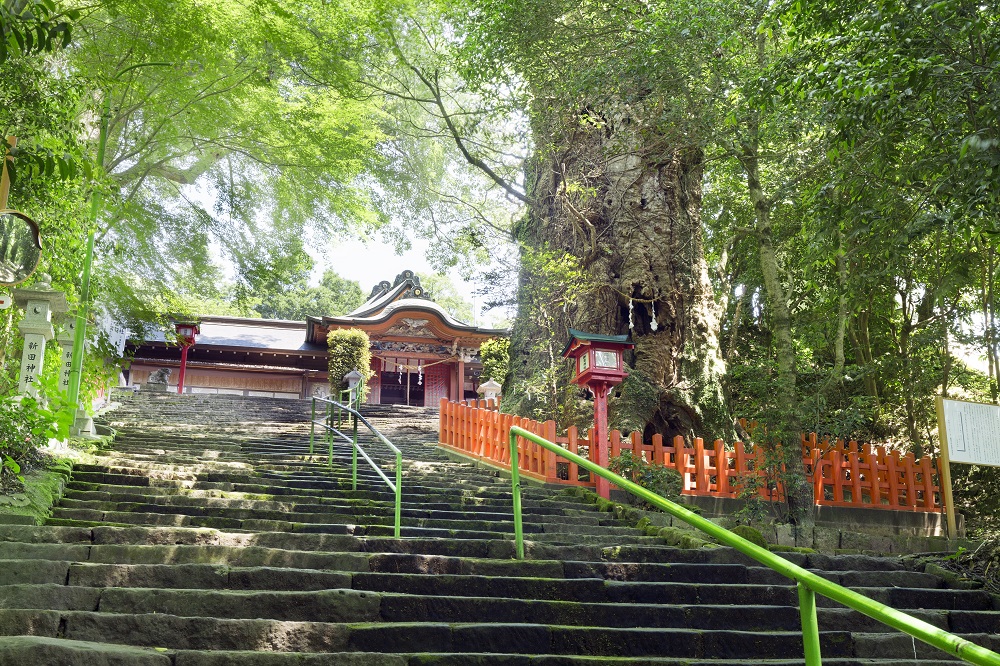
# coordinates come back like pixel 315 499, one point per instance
pixel 808 583
pixel 340 414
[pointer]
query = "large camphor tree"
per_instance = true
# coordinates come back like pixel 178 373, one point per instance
pixel 612 238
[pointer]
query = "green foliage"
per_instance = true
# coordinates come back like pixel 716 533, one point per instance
pixel 659 479
pixel 34 26
pixel 350 350
pixel 495 355
pixel 629 404
pixel 542 389
pixel 754 510
pixel 333 296
pixel 440 289
pixel 26 425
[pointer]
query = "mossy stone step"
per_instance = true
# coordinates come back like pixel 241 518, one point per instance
pixel 438 501
pixel 21 650
pixel 208 498
pixel 202 633
pixel 263 510
pixel 292 531
pixel 347 605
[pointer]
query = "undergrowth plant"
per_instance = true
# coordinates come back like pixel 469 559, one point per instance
pixel 659 479
pixel 26 424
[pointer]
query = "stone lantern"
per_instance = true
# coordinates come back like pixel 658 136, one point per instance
pixel 490 390
pixel 353 378
pixel 40 302
pixel 598 365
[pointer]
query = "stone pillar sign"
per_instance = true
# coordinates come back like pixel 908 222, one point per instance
pixel 65 339
pixel 40 302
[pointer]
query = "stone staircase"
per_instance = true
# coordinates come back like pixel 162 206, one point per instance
pixel 207 536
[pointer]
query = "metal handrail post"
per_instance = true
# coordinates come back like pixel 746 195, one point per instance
pixel 357 449
pixel 312 429
pixel 815 584
pixel 399 491
pixel 329 439
pixel 515 481
pixel 810 625
pixel 354 457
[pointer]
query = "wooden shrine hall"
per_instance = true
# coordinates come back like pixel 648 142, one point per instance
pixel 420 353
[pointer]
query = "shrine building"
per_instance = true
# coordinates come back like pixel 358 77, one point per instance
pixel 420 353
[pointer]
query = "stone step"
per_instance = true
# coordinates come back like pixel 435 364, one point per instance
pixel 200 633
pixel 301 569
pixel 203 633
pixel 409 575
pixel 542 511
pixel 305 505
pixel 530 504
pixel 210 499
pixel 355 605
pixel 21 650
pixel 615 566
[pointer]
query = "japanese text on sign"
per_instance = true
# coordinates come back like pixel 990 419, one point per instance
pixel 972 432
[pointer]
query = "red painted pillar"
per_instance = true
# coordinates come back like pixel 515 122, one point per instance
pixel 600 443
pixel 180 377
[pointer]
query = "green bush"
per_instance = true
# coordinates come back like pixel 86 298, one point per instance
pixel 26 425
pixel 350 350
pixel 656 478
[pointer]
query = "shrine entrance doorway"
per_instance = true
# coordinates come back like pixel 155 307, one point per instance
pixel 402 388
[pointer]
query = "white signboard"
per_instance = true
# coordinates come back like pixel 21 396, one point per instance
pixel 972 432
pixel 115 332
pixel 5 301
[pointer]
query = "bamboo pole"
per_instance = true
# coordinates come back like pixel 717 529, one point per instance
pixel 5 178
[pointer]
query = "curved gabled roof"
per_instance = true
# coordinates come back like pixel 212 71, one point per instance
pixel 389 304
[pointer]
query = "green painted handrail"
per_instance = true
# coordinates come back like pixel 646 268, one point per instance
pixel 808 583
pixel 342 410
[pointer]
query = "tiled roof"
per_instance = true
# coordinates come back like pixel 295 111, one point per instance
pixel 248 333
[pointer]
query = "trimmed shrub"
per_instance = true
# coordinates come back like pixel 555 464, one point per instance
pixel 350 350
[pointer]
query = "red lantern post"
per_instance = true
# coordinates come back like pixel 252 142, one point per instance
pixel 186 332
pixel 599 367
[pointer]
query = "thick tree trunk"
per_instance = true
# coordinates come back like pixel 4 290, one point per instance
pixel 627 208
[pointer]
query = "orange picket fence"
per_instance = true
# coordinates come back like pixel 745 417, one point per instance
pixel 842 474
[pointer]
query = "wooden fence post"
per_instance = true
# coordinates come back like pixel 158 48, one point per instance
pixel 721 469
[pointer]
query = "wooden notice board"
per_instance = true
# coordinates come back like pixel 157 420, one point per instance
pixel 970 433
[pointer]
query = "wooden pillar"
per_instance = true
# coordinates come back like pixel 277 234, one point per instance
pixel 461 380
pixel 600 441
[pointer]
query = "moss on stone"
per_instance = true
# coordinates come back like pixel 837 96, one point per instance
pixel 750 534
pixel 604 505
pixel 777 548
pixel 42 489
pixel 673 536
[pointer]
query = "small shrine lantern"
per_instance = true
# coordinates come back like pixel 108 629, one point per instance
pixel 598 366
pixel 490 389
pixel 186 332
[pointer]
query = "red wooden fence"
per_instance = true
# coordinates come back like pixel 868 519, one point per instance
pixel 842 474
